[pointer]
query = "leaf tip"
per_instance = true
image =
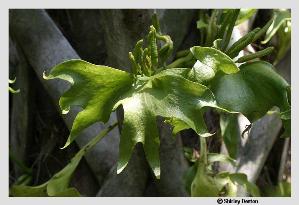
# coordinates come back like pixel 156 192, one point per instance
pixel 207 134
pixel 45 76
pixel 68 142
pixel 65 111
pixel 12 81
pixel 157 172
pixel 13 91
pixel 120 167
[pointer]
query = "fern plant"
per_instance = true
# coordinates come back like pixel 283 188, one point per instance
pixel 202 77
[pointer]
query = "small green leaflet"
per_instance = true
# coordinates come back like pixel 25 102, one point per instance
pixel 207 184
pixel 199 180
pixel 281 27
pixel 203 184
pixel 241 179
pixel 254 90
pixel 245 14
pixel 280 17
pixel 233 180
pixel 284 40
pixel 209 62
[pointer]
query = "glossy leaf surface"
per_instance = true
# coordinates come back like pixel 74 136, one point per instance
pixel 252 91
pixel 165 94
pixel 95 88
pixel 230 133
pixel 209 62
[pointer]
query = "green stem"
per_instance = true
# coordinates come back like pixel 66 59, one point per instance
pixel 229 29
pixel 96 139
pixel 180 61
pixel 23 180
pixel 261 32
pixel 182 53
pixel 155 22
pixel 258 54
pixel 202 31
pixel 203 150
pixel 224 24
pixel 211 31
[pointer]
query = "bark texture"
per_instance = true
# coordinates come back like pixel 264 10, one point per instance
pixel 44 46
